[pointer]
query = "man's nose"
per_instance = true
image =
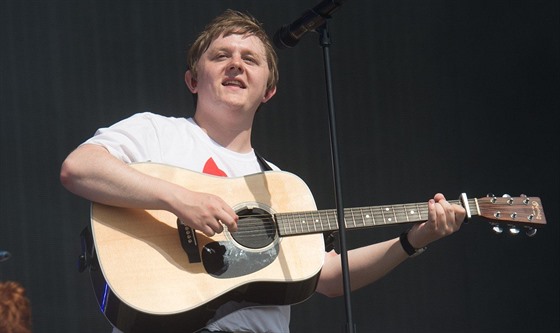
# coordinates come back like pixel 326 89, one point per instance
pixel 235 65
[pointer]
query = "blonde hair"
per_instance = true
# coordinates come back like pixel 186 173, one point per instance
pixel 228 23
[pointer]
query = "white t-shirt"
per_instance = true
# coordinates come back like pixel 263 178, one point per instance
pixel 147 137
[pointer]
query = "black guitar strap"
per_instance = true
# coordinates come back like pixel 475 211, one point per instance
pixel 264 166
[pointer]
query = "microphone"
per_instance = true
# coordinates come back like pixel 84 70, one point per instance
pixel 5 255
pixel 289 35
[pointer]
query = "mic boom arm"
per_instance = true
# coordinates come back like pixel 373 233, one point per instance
pixel 289 35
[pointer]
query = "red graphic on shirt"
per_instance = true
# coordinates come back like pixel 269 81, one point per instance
pixel 212 169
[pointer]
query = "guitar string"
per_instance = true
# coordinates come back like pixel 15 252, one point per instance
pixel 317 221
pixel 266 221
pixel 314 223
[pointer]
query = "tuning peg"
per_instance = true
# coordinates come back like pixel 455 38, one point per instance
pixel 531 232
pixel 509 199
pixel 497 229
pixel 513 230
pixel 525 198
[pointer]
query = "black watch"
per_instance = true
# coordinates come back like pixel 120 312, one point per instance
pixel 408 248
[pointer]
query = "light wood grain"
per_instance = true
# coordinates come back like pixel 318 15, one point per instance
pixel 142 260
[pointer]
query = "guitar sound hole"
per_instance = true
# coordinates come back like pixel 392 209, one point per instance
pixel 255 228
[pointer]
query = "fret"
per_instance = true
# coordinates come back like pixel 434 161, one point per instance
pixel 372 212
pixel 406 213
pixel 311 220
pixel 356 217
pixel 292 224
pixel 315 221
pixel 419 212
pixel 402 214
pixel 305 225
pixel 321 221
pixel 353 217
pixel 367 218
pixel 370 217
pixel 304 220
pixel 364 217
pixel 386 212
pixel 299 223
pixel 383 215
pixel 378 211
pixel 288 224
pixel 328 221
pixel 411 212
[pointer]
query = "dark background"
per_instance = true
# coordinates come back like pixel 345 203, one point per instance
pixel 450 96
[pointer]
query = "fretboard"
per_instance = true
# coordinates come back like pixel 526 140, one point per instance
pixel 290 224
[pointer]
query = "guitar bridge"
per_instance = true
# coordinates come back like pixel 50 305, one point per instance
pixel 189 242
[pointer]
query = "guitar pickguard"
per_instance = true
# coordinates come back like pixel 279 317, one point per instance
pixel 225 260
pixel 253 247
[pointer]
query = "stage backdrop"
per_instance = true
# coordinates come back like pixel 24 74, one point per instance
pixel 449 96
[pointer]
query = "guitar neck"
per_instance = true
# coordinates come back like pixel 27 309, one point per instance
pixel 291 224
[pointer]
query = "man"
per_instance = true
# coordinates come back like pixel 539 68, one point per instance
pixel 232 71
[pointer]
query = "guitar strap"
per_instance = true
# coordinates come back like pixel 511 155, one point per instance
pixel 264 165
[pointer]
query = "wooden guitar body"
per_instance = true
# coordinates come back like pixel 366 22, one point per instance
pixel 146 283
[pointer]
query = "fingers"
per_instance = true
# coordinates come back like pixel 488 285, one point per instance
pixel 439 197
pixel 216 222
pixel 229 218
pixel 210 228
pixel 443 217
pixel 207 213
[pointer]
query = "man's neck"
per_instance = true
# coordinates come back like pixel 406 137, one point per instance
pixel 230 131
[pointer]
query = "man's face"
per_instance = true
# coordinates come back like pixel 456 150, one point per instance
pixel 232 73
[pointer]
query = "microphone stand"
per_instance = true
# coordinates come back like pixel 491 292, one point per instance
pixel 325 43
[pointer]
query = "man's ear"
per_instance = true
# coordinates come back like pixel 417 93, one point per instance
pixel 268 94
pixel 190 81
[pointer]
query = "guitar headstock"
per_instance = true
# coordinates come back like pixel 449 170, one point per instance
pixel 513 213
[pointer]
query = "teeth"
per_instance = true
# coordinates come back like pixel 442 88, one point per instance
pixel 233 83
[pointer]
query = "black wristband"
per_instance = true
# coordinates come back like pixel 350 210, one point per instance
pixel 408 248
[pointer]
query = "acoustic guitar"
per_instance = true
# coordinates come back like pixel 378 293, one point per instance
pixel 152 273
